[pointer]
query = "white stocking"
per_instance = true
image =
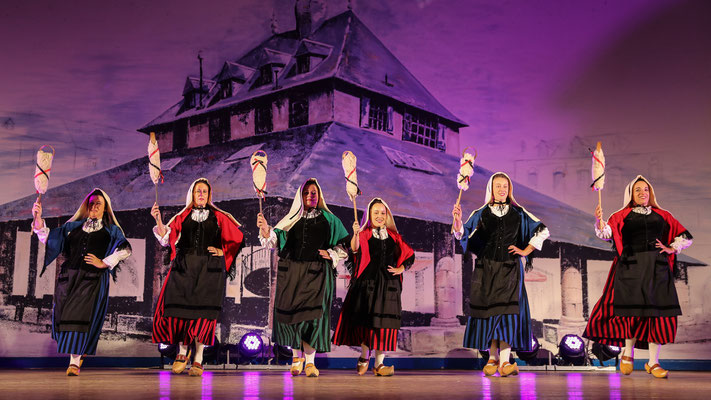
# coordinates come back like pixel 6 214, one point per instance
pixel 74 359
pixel 379 358
pixel 199 347
pixel 309 353
pixel 654 349
pixel 505 352
pixel 494 350
pixel 629 349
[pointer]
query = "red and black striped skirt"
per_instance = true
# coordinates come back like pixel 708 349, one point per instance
pixel 607 328
pixel 349 334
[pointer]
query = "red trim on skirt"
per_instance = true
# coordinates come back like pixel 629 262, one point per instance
pixel 174 330
pixel 606 328
pixel 347 334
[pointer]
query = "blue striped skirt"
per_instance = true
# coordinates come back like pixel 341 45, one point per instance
pixel 85 342
pixel 514 329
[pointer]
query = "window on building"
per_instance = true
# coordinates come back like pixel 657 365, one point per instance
pixel 298 112
pixel 220 126
pixel 180 135
pixel 263 119
pixel 378 116
pixel 266 75
pixel 226 89
pixel 421 129
pixel 303 64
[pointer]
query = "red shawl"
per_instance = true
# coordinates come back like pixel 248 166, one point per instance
pixel 231 235
pixel 403 251
pixel 616 223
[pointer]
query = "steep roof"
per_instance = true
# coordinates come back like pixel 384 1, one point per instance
pixel 356 57
pixel 231 70
pixel 415 182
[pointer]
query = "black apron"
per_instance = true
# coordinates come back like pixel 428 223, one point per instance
pixel 197 282
pixel 644 283
pixel 374 298
pixel 78 283
pixel 497 273
pixel 301 272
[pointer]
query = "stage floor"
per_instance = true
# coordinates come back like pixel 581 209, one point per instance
pixel 106 384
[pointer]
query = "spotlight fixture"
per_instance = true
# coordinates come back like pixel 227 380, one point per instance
pixel 572 349
pixel 530 355
pixel 251 345
pixel 604 352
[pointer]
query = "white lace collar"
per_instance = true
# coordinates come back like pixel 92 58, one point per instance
pixel 92 225
pixel 380 233
pixel 315 212
pixel 200 214
pixel 645 210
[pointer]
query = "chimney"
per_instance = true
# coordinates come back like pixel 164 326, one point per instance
pixel 309 16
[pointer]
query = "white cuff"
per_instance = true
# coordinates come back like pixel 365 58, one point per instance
pixel 605 233
pixel 680 243
pixel 337 253
pixel 42 232
pixel 270 242
pixel 538 239
pixel 165 239
pixel 116 257
pixel 458 234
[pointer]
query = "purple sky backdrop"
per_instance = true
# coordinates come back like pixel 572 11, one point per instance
pixel 83 75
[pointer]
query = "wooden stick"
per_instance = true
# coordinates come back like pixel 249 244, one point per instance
pixel 355 210
pixel 39 199
pixel 260 205
pixel 156 188
pixel 600 223
pixel 459 198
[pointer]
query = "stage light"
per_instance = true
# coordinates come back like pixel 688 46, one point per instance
pixel 250 346
pixel 530 355
pixel 572 349
pixel 168 350
pixel 282 354
pixel 604 352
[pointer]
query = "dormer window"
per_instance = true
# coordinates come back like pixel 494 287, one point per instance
pixel 231 78
pixel 225 89
pixel 308 56
pixel 266 75
pixel 303 64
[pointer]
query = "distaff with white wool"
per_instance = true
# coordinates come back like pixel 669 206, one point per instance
pixel 501 234
pixel 92 243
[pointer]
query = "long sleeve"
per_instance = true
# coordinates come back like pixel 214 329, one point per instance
pixel 116 257
pixel 163 240
pixel 538 239
pixel 680 243
pixel 42 233
pixel 605 233
pixel 458 234
pixel 271 241
pixel 337 254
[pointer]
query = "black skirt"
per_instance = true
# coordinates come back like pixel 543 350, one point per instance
pixel 494 288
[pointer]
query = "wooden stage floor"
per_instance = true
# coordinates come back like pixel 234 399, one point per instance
pixel 130 384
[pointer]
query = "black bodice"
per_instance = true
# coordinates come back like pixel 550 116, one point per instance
pixel 498 233
pixel 382 255
pixel 196 237
pixel 640 232
pixel 80 243
pixel 305 238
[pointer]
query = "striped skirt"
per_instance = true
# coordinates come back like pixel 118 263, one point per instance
pixel 81 343
pixel 347 334
pixel 316 332
pixel 607 328
pixel 514 329
pixel 174 330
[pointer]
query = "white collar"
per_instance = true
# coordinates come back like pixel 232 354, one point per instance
pixel 315 212
pixel 199 214
pixel 92 225
pixel 645 210
pixel 380 233
pixel 499 210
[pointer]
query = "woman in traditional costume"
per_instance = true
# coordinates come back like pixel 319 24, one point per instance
pixel 639 305
pixel 500 234
pixel 309 240
pixel 92 244
pixel 204 242
pixel 370 317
